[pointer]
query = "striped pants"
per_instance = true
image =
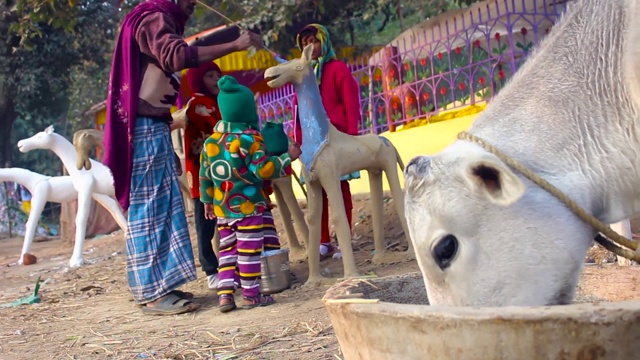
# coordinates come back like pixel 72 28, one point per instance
pixel 271 240
pixel 241 242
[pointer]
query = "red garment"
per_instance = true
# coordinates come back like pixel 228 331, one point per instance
pixel 325 236
pixel 340 96
pixel 198 129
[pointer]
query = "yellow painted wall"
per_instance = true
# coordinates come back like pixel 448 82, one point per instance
pixel 421 140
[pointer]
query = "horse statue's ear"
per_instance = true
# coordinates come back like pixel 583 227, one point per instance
pixel 49 129
pixel 307 52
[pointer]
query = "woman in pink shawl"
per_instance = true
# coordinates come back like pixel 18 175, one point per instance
pixel 143 85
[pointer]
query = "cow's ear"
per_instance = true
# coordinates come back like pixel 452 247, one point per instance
pixel 485 174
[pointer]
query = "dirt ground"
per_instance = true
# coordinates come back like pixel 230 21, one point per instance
pixel 87 313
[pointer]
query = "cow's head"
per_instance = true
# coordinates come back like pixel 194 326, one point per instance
pixel 481 239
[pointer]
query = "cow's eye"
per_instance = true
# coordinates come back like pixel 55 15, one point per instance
pixel 445 251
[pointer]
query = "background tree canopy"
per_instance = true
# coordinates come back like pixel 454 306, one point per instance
pixel 56 56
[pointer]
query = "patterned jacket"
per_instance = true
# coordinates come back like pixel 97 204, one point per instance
pixel 233 167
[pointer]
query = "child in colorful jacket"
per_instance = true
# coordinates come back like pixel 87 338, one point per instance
pixel 233 167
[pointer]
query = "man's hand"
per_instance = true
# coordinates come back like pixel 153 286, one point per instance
pixel 248 39
pixel 294 151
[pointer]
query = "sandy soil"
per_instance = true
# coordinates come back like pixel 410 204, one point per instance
pixel 87 313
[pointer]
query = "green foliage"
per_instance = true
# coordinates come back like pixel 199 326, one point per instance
pixel 54 63
pixel 350 22
pixel 38 82
pixel 34 16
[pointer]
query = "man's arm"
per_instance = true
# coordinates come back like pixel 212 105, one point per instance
pixel 157 38
pixel 212 52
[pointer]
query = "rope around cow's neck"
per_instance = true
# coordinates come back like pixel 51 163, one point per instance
pixel 608 238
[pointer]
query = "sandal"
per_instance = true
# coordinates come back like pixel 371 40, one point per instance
pixel 170 304
pixel 182 294
pixel 226 303
pixel 260 300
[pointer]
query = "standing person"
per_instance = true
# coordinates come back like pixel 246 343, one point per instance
pixel 203 115
pixel 233 167
pixel 341 99
pixel 143 84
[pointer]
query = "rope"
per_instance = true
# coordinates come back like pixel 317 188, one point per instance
pixel 609 241
pixel 251 50
pixel 295 176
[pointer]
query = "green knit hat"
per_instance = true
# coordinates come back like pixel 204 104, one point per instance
pixel 236 102
pixel 275 139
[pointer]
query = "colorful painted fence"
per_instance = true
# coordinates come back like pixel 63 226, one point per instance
pixel 451 61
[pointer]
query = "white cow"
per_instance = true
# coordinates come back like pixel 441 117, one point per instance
pixel 486 236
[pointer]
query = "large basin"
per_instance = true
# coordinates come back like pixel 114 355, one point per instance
pixel 389 318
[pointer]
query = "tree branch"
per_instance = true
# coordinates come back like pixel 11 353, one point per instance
pixel 387 16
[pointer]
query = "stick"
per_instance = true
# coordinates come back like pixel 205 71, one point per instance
pixel 295 122
pixel 295 176
pixel 234 23
pixel 231 22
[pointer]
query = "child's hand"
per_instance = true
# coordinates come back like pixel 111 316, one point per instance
pixel 294 151
pixel 208 212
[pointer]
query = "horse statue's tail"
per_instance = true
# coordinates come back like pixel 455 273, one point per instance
pixel 398 158
pixel 84 141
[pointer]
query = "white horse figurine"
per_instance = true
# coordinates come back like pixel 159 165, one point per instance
pixel 96 183
pixel 43 189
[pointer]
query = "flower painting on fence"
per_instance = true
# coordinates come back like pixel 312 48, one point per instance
pixel 440 69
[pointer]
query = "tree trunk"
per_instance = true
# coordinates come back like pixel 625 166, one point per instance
pixel 352 32
pixel 400 19
pixel 7 117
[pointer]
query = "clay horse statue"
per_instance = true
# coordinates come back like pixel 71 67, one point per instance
pixel 327 155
